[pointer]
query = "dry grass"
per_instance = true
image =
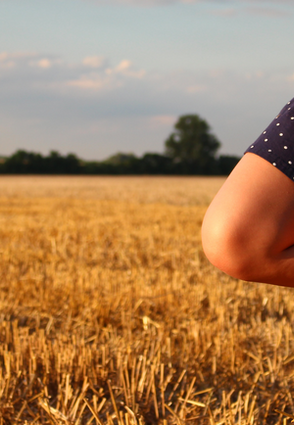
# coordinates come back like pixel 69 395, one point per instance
pixel 110 313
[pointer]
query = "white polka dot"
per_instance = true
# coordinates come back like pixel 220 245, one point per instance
pixel 285 147
pixel 251 147
pixel 266 140
pixel 274 164
pixel 288 103
pixel 290 162
pixel 269 150
pixel 265 131
pixel 278 124
pixel 281 134
pixel 289 109
pixel 292 118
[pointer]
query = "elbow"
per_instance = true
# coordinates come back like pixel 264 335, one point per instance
pixel 226 247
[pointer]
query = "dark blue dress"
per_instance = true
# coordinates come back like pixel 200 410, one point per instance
pixel 276 143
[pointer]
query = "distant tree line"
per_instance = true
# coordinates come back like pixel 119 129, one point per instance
pixel 190 150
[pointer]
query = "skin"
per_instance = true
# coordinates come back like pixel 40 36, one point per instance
pixel 248 230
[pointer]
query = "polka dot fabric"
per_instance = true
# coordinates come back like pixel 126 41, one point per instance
pixel 276 143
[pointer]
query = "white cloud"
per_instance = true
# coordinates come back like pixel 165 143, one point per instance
pixel 95 82
pixel 10 60
pixel 16 55
pixel 291 77
pixel 7 64
pixel 145 3
pixel 94 112
pixel 27 59
pixel 255 75
pixel 163 120
pixel 94 61
pixel 268 9
pixel 260 8
pixel 267 12
pixel 44 63
pixel 228 12
pixel 3 56
pixel 106 78
pixel 125 67
pixel 196 88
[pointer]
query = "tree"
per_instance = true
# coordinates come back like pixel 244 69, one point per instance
pixel 226 163
pixel 192 146
pixel 23 162
pixel 123 163
pixel 155 163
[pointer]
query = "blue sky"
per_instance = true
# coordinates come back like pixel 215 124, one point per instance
pixel 95 77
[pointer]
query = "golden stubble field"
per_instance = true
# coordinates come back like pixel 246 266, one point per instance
pixel 111 314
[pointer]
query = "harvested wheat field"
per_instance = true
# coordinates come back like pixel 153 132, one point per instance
pixel 111 314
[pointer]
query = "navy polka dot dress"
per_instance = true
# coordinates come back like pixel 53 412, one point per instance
pixel 276 143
